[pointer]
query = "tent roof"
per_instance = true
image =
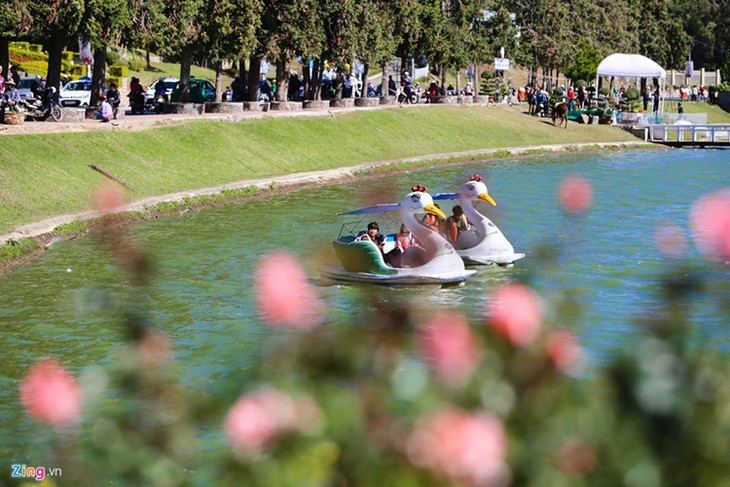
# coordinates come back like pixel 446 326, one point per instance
pixel 630 65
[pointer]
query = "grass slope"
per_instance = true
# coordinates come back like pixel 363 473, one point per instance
pixel 48 175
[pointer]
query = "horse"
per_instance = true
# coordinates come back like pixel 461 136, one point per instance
pixel 560 113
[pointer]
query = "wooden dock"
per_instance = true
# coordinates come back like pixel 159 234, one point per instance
pixel 685 135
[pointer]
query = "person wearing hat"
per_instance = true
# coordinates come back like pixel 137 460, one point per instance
pixel 11 98
pixel 2 80
pixel 105 112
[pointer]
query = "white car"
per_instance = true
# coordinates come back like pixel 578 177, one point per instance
pixel 149 95
pixel 77 93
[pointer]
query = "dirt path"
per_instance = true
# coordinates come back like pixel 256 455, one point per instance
pixel 151 120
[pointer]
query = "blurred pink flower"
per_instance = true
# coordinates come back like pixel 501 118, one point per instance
pixel 259 417
pixel 710 223
pixel 109 197
pixel 576 194
pixel 284 296
pixel 565 351
pixel 50 393
pixel 515 312
pixel 471 448
pixel 450 346
pixel 670 240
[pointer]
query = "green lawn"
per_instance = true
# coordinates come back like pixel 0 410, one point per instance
pixel 715 114
pixel 48 175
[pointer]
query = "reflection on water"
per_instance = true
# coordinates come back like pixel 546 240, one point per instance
pixel 65 303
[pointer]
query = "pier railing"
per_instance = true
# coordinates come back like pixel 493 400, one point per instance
pixel 685 134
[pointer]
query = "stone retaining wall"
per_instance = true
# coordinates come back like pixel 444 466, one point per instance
pixel 255 106
pixel 286 106
pixel 72 115
pixel 342 102
pixel 316 104
pixel 387 100
pixel 224 107
pixel 185 108
pixel 367 102
pixel 445 100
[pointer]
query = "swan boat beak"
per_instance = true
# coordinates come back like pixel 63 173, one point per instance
pixel 434 210
pixel 487 198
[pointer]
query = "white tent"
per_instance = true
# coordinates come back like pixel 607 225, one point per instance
pixel 633 66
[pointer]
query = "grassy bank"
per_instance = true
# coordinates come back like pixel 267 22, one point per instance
pixel 47 175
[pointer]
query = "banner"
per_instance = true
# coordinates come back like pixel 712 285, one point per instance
pixel 85 53
pixel 690 70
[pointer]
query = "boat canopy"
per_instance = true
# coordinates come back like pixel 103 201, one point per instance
pixel 446 196
pixel 373 209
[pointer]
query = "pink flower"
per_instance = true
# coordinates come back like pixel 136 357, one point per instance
pixel 576 194
pixel 710 223
pixel 565 351
pixel 284 296
pixel 471 448
pixel 109 197
pixel 515 312
pixel 50 393
pixel 449 345
pixel 259 417
pixel 670 240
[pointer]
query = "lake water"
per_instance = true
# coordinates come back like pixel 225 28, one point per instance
pixel 63 303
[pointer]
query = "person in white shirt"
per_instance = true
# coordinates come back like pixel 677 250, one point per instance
pixel 105 112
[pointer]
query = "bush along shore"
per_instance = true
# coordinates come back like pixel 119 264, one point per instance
pixel 272 155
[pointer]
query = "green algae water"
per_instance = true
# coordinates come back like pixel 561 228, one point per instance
pixel 65 304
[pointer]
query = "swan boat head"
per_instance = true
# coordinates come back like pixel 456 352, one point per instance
pixel 476 190
pixel 484 243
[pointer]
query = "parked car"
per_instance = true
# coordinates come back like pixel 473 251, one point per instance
pixel 77 93
pixel 201 91
pixel 26 85
pixel 149 95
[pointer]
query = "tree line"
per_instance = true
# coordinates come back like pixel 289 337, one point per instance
pixel 568 37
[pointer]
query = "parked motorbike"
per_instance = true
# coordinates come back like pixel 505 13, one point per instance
pixel 159 104
pixel 41 110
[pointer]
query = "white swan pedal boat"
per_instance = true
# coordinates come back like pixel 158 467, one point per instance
pixel 434 262
pixel 483 243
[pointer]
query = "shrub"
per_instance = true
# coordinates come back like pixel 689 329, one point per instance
pixel 136 64
pixel 112 58
pixel 25 55
pixel 77 70
pixel 118 71
pixel 68 56
pixel 114 79
pixel 558 91
pixel 581 83
pixel 605 91
pixel 35 48
pixel 632 94
pixel 22 45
